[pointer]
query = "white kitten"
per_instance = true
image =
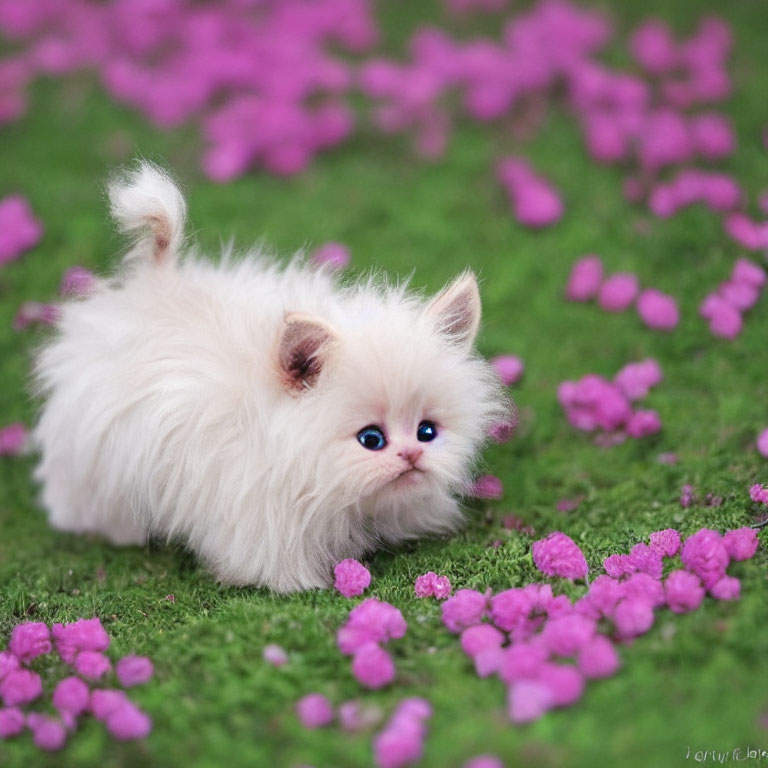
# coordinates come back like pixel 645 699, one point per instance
pixel 272 420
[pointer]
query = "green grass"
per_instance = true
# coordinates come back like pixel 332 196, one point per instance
pixel 695 681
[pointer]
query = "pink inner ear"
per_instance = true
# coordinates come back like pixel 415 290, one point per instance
pixel 301 352
pixel 457 310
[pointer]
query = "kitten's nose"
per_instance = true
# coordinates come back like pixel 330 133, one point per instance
pixel 411 455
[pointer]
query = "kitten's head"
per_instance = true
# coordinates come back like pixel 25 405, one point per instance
pixel 398 400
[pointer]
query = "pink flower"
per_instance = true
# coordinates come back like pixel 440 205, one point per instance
pixel 20 687
pixel 566 635
pixel 274 655
pixel 134 670
pixel 667 542
pixel 92 664
pixel 49 735
pixel 741 543
pixel 558 555
pixel 683 591
pixel 635 380
pixel 522 661
pixel 746 271
pixel 712 135
pixel 604 593
pixel 334 255
pixel 657 310
pixel 402 740
pixel 314 710
pixel 759 493
pixel 618 292
pixel 465 609
pixel 646 559
pixel 77 281
pixel 762 443
pixel 617 566
pixel 704 554
pixel 19 229
pixel 373 667
pixel 11 722
pixel 13 439
pixel 81 635
pixel 509 368
pixel 687 496
pixel 128 723
pixel 511 608
pixel 727 588
pixel 71 695
pixel 487 487
pixel 642 586
pixel 643 424
pixel 354 717
pixel 105 701
pixel 632 617
pixel 535 201
pixel 30 640
pixel 585 279
pixel 488 661
pixel 352 578
pixel 8 663
pixel 32 312
pixel 653 47
pixel 382 619
pixel 598 658
pixel 528 700
pixel 565 682
pixel 484 761
pixel 432 585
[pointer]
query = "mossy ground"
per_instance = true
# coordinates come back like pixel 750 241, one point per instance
pixel 694 682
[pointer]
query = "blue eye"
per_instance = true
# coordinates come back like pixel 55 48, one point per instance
pixel 372 438
pixel 427 431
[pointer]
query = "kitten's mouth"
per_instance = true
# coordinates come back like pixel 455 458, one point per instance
pixel 407 476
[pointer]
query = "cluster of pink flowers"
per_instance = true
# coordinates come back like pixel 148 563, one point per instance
pixel 81 645
pixel 261 77
pixel 596 403
pixel 316 711
pixel 618 292
pixel 19 229
pixel 535 202
pixel 13 439
pixel 720 193
pixel 430 584
pixel 351 578
pixel 725 308
pixel 545 648
pixel 371 625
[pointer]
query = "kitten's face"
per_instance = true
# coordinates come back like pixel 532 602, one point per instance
pixel 402 403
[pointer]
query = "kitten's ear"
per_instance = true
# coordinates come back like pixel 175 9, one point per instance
pixel 456 310
pixel 302 350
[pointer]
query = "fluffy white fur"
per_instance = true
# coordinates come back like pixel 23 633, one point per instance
pixel 219 404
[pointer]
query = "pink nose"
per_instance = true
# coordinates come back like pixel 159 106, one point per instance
pixel 411 455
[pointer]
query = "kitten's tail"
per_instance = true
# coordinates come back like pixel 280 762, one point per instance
pixel 145 201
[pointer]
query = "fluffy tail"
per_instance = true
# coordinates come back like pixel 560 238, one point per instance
pixel 146 202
